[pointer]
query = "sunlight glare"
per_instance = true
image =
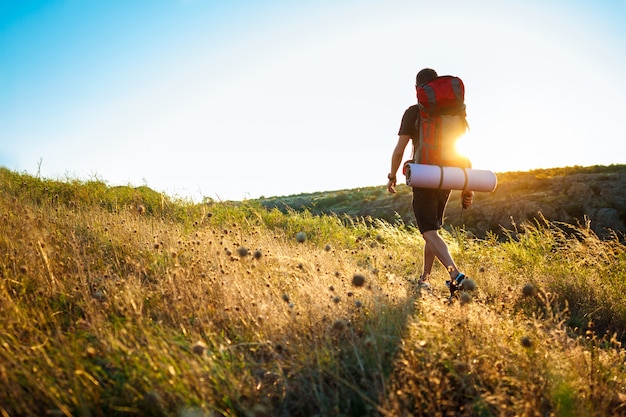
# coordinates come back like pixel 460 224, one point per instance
pixel 463 145
pixel 482 151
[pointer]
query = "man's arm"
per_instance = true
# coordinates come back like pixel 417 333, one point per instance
pixel 396 160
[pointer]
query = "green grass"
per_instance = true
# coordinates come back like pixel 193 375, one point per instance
pixel 116 301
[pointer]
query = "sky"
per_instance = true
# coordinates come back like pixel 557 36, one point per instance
pixel 235 100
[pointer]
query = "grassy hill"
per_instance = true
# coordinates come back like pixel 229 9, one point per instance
pixel 594 195
pixel 119 301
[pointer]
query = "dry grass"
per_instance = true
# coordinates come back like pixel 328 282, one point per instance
pixel 121 306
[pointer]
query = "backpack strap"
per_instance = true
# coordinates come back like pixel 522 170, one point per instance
pixel 440 177
pixel 466 178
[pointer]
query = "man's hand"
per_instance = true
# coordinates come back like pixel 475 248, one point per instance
pixel 467 198
pixel 391 183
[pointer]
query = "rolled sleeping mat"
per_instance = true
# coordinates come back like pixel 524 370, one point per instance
pixel 450 178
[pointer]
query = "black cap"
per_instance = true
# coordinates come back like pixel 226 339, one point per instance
pixel 425 75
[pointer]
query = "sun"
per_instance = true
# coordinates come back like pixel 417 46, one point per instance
pixel 487 152
pixel 462 146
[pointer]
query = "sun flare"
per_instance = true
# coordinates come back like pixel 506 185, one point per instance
pixel 462 146
pixel 483 152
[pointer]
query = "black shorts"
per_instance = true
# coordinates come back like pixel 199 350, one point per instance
pixel 428 207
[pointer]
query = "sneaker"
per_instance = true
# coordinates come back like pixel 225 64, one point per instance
pixel 422 282
pixel 455 285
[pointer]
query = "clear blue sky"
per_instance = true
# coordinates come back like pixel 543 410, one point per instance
pixel 241 99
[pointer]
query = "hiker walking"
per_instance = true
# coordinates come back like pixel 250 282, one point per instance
pixel 433 125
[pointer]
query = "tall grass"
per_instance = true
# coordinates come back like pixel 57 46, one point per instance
pixel 121 301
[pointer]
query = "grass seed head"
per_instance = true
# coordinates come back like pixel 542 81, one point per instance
pixel 526 342
pixel 99 295
pixel 339 326
pixel 465 298
pixel 460 367
pixel 198 348
pixel 358 280
pixel 529 290
pixel 469 284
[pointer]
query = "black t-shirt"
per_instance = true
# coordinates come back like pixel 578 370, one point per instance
pixel 409 119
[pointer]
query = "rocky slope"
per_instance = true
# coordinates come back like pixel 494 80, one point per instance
pixel 593 196
pixel 596 197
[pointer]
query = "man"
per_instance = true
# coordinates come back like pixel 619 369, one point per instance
pixel 428 204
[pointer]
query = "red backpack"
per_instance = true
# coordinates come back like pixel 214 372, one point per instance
pixel 441 123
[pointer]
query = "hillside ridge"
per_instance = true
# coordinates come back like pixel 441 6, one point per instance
pixel 593 196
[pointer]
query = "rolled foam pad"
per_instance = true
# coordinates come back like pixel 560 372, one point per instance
pixel 450 178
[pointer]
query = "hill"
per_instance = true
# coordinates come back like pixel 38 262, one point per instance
pixel 593 196
pixel 120 301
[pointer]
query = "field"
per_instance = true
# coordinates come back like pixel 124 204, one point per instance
pixel 120 301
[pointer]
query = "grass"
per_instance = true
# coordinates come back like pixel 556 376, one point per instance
pixel 124 302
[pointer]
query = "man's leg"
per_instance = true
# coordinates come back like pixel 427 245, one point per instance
pixel 438 248
pixel 429 206
pixel 429 259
